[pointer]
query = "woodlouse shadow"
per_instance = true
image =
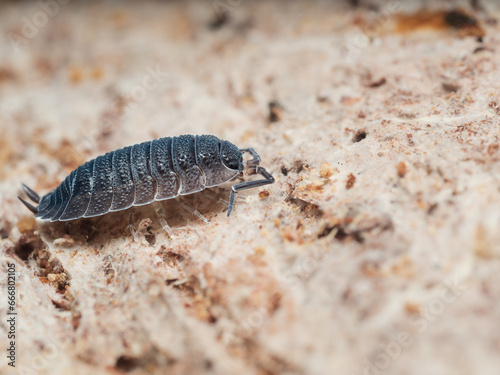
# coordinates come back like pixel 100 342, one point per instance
pixel 180 213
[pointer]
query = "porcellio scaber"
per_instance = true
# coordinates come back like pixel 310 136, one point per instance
pixel 146 172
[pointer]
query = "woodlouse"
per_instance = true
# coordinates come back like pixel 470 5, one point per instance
pixel 150 171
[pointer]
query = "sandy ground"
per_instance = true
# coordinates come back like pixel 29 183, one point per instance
pixel 375 252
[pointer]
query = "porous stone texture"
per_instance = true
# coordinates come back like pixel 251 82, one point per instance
pixel 377 249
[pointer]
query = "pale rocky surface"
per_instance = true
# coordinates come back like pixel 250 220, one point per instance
pixel 377 249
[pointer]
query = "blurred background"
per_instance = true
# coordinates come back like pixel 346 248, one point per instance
pixel 377 249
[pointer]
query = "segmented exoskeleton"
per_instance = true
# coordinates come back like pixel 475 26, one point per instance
pixel 151 171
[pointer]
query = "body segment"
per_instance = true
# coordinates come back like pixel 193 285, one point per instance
pixel 81 192
pixel 145 187
pixel 122 182
pixel 184 160
pixel 209 160
pixel 102 188
pixel 162 169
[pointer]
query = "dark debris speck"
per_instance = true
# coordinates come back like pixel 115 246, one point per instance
pixel 359 136
pixel 220 19
pixel 275 111
pixel 459 19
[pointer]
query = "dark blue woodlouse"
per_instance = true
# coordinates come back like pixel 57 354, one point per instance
pixel 151 171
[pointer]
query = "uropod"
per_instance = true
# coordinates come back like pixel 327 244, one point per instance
pixel 146 172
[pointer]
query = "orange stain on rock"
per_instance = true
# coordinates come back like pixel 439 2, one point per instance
pixel 440 20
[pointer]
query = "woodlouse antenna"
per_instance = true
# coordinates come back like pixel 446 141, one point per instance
pixel 252 164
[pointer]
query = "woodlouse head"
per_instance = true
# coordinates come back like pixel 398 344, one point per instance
pixel 231 156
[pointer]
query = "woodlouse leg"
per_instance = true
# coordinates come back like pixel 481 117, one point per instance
pixel 268 179
pixel 186 215
pixel 215 195
pixel 132 231
pixel 131 227
pixel 193 211
pixel 93 230
pixel 162 217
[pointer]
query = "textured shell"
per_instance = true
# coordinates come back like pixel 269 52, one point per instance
pixel 137 175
